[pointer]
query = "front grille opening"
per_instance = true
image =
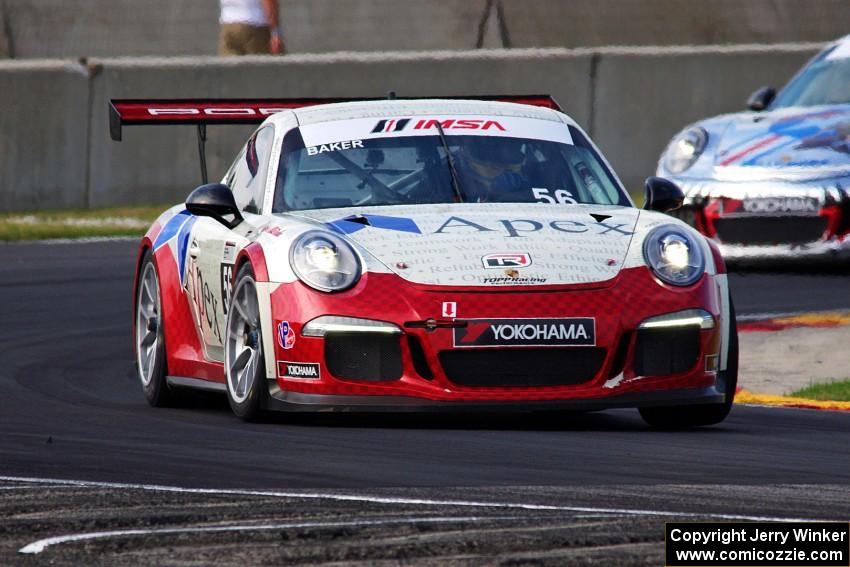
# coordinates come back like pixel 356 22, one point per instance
pixel 770 230
pixel 844 225
pixel 367 357
pixel 418 357
pixel 660 352
pixel 528 367
pixel 619 362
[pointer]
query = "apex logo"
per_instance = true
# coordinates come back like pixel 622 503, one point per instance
pixel 518 260
pixel 390 125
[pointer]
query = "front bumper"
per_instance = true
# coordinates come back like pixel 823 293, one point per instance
pixel 295 402
pixel 308 367
pixel 771 220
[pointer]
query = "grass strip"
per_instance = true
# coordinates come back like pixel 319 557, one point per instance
pixel 83 223
pixel 750 398
pixel 831 391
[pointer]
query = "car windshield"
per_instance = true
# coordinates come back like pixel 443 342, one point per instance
pixel 404 161
pixel 826 80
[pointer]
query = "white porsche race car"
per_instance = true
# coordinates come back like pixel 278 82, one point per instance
pixel 427 254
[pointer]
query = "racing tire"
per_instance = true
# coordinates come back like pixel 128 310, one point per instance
pixel 244 365
pixel 151 363
pixel 682 417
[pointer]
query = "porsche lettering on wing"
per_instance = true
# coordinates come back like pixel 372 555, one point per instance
pixel 577 331
pixel 221 112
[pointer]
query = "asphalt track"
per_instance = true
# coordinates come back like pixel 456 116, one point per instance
pixel 70 408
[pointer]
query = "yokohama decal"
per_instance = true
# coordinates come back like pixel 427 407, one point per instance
pixel 778 205
pixel 303 370
pixel 577 331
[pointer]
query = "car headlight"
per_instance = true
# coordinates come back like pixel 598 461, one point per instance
pixel 686 149
pixel 324 261
pixel 674 255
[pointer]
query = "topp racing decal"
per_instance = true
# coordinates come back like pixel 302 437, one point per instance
pixel 512 278
pixel 302 370
pixel 575 331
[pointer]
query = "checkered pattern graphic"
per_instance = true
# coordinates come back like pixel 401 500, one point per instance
pixel 618 307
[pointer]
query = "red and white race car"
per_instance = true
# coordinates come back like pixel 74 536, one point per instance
pixel 427 254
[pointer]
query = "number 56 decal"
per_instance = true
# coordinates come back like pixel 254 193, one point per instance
pixel 561 196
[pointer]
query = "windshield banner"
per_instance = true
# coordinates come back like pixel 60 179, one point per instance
pixel 326 133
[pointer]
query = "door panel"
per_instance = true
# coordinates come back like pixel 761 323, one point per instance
pixel 209 270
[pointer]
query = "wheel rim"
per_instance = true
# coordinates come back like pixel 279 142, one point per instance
pixel 243 351
pixel 147 324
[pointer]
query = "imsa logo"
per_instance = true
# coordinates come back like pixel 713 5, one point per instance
pixel 302 370
pixel 576 331
pixel 391 125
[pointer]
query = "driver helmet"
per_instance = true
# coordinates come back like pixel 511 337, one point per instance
pixel 489 157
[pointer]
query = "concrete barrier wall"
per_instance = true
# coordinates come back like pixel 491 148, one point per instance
pixel 4 35
pixel 155 164
pixel 112 28
pixel 644 96
pixel 593 23
pixel 44 121
pixel 55 149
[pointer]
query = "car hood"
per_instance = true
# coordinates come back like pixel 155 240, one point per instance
pixel 789 141
pixel 490 244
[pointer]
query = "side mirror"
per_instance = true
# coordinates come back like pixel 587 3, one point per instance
pixel 214 200
pixel 662 195
pixel 761 99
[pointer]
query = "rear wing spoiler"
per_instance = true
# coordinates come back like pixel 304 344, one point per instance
pixel 201 112
pixel 130 112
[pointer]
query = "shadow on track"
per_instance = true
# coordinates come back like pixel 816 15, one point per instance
pixel 615 420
